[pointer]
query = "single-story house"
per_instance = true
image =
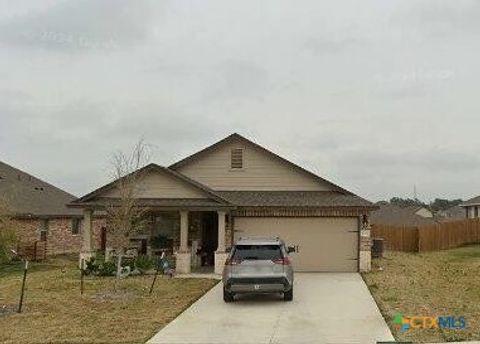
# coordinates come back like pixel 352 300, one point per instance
pixel 455 213
pixel 237 188
pixel 40 212
pixel 472 208
pixel 393 215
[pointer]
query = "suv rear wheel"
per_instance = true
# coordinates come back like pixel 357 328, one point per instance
pixel 227 296
pixel 288 295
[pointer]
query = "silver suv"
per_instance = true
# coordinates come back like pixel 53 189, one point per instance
pixel 258 266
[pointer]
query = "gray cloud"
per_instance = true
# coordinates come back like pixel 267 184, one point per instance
pixel 324 44
pixel 442 18
pixel 376 96
pixel 83 25
pixel 236 79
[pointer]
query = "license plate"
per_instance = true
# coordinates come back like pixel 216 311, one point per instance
pixel 256 287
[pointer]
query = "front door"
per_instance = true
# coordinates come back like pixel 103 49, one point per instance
pixel 103 239
pixel 209 237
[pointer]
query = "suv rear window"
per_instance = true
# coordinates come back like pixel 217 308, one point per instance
pixel 257 252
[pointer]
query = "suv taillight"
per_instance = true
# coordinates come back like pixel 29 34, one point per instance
pixel 282 261
pixel 231 261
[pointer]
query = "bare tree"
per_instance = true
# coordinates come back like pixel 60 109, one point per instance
pixel 124 215
pixel 8 227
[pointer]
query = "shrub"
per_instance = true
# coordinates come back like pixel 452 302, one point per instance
pixel 107 269
pixel 144 263
pixel 91 266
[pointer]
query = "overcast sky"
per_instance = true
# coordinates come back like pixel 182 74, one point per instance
pixel 377 96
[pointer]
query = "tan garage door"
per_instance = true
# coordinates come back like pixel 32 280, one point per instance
pixel 324 244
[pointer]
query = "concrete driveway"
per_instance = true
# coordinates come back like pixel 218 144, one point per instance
pixel 327 308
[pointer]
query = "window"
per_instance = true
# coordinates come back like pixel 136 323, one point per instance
pixel 257 252
pixel 236 161
pixel 75 226
pixel 163 230
pixel 43 230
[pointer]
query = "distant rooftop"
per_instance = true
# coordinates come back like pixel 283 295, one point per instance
pixel 26 195
pixel 393 215
pixel 472 201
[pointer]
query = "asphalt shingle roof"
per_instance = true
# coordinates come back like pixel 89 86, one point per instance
pixel 28 195
pixel 399 216
pixel 472 201
pixel 293 199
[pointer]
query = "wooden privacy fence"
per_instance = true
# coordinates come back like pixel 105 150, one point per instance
pixel 440 236
pixel 33 250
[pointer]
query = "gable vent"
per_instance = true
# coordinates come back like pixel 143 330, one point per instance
pixel 236 158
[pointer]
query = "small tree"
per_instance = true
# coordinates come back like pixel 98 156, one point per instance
pixel 124 215
pixel 7 231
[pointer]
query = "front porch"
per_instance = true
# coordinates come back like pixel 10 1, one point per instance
pixel 196 239
pixel 207 247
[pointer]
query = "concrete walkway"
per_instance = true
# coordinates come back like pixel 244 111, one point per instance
pixel 327 308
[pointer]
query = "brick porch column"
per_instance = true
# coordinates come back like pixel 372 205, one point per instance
pixel 86 251
pixel 183 261
pixel 220 254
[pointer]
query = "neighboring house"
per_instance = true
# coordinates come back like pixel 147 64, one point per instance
pixel 236 188
pixel 393 215
pixel 472 208
pixel 455 213
pixel 40 211
pixel 423 212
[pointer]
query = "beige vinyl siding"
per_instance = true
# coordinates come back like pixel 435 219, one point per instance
pixel 157 184
pixel 261 171
pixel 325 244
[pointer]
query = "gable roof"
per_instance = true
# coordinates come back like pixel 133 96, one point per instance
pixel 153 167
pixel 27 195
pixel 239 137
pixel 393 215
pixel 472 201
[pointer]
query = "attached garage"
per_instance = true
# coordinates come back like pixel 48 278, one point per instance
pixel 325 244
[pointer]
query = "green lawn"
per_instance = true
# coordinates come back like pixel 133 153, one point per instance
pixel 55 312
pixel 442 283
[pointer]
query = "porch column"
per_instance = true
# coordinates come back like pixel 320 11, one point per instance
pixel 86 251
pixel 183 261
pixel 220 254
pixel 365 252
pixel 183 231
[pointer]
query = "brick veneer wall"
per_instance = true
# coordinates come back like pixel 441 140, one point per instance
pixel 26 230
pixel 60 238
pixel 59 234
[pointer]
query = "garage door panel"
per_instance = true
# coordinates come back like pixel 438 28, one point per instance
pixel 325 244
